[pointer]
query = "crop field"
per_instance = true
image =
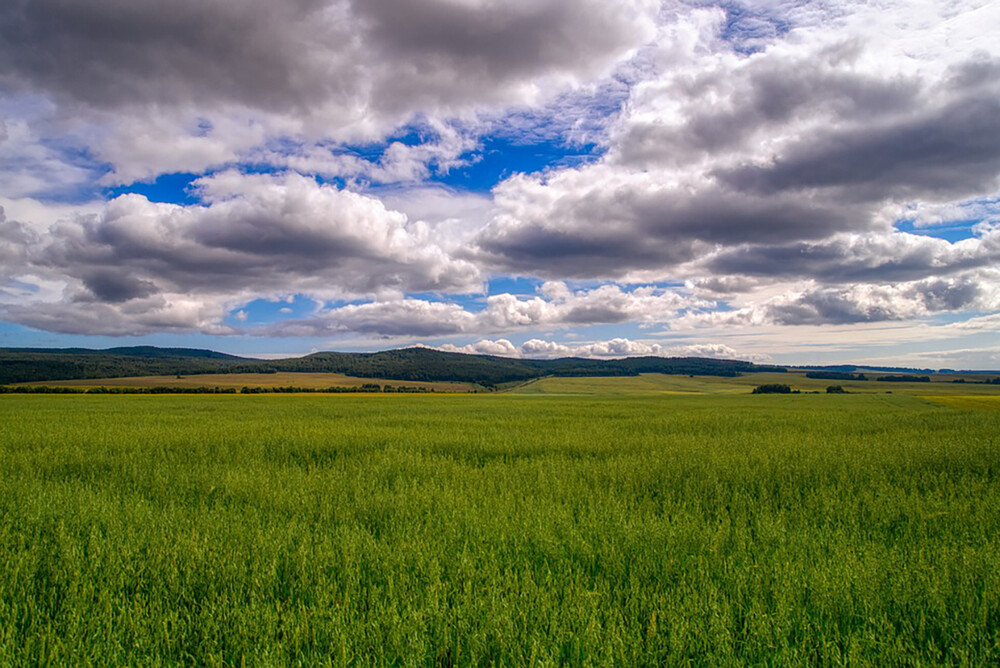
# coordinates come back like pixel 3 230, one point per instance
pixel 266 380
pixel 658 383
pixel 858 529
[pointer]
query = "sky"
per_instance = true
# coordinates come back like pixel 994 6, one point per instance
pixel 779 180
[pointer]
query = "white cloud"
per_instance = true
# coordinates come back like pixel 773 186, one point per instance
pixel 501 347
pixel 33 165
pixel 853 113
pixel 556 306
pixel 859 303
pixel 610 349
pixel 251 236
pixel 763 156
pixel 212 81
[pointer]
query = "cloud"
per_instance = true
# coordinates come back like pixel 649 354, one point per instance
pixel 447 50
pixel 612 348
pixel 887 257
pixel 773 157
pixel 79 313
pixel 556 306
pixel 442 148
pixel 500 347
pixel 819 135
pixel 34 166
pixel 596 223
pixel 925 215
pixel 250 236
pixel 14 241
pixel 203 83
pixel 861 303
pixel 989 323
pixel 950 152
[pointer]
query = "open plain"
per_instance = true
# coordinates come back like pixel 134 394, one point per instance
pixel 858 529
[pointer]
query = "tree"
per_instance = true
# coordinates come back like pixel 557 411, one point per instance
pixel 773 388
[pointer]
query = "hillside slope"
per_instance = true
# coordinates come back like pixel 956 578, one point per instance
pixel 414 364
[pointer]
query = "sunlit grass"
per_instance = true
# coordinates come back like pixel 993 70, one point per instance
pixel 658 383
pixel 973 402
pixel 239 380
pixel 458 530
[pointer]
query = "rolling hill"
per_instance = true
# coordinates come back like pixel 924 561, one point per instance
pixel 18 365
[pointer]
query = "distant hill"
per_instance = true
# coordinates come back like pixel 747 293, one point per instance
pixel 19 365
pixel 427 364
pixel 419 364
pixel 850 368
pixel 130 351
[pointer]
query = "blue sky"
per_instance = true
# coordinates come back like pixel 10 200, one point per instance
pixel 785 181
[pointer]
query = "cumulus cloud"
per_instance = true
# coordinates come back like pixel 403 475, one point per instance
pixel 203 82
pixel 612 348
pixel 598 223
pixel 556 306
pixel 861 303
pixel 867 257
pixel 947 152
pixel 31 165
pixel 815 137
pixel 80 314
pixel 251 235
pixel 773 157
pixel 447 50
pixel 499 347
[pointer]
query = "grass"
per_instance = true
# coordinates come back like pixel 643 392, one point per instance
pixel 980 402
pixel 658 383
pixel 498 530
pixel 239 380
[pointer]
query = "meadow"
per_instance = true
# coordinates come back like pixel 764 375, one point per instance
pixel 859 529
pixel 659 383
pixel 237 381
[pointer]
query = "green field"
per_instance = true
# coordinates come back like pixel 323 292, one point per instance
pixel 499 530
pixel 239 380
pixel 658 383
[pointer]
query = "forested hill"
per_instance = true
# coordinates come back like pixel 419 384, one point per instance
pixel 19 365
pixel 420 364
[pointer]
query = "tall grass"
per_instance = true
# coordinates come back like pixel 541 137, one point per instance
pixel 470 530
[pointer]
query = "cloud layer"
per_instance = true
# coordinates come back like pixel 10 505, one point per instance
pixel 748 165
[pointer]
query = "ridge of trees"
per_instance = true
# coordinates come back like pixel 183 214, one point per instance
pixel 413 364
pixel 835 375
